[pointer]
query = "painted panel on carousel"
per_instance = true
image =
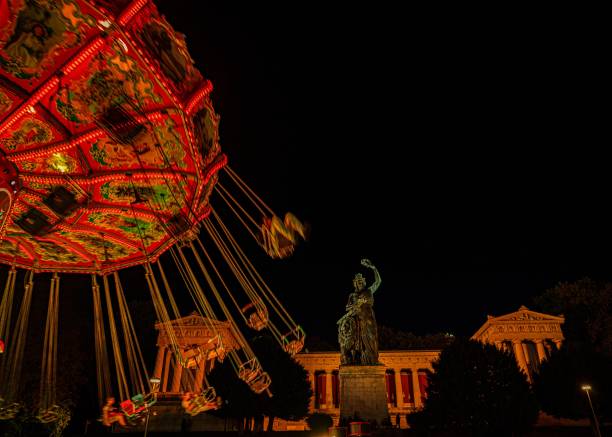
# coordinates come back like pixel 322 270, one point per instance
pixel 157 193
pixel 133 228
pixel 37 36
pixel 108 79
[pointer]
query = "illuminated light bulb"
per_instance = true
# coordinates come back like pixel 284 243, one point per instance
pixel 123 45
pixel 104 24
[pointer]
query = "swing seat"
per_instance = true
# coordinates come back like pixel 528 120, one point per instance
pixel 8 410
pixel 109 418
pixel 191 357
pixel 275 245
pixel 286 247
pixel 218 353
pixel 197 409
pixel 49 415
pixel 205 401
pixel 260 383
pixel 139 401
pixel 293 341
pixel 149 399
pixel 131 411
pixel 252 373
pixel 256 315
pixel 249 371
pixel 218 349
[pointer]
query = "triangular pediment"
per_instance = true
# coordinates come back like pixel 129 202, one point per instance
pixel 195 319
pixel 523 315
pixel 526 315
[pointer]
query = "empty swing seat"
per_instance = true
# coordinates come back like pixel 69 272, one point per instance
pixel 217 350
pixel 256 315
pixel 190 357
pixel 293 341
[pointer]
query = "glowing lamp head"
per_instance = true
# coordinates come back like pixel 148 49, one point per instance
pixel 586 387
pixel 154 384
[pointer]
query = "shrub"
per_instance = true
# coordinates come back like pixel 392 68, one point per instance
pixel 319 422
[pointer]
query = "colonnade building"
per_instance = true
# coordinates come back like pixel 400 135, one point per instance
pixel 529 335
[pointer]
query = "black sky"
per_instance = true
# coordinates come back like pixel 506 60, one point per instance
pixel 462 151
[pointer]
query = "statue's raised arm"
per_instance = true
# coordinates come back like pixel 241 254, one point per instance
pixel 367 263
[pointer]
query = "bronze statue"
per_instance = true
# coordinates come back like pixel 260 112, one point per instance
pixel 357 332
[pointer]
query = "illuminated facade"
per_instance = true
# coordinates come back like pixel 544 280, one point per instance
pixel 405 377
pixel 529 335
pixel 196 336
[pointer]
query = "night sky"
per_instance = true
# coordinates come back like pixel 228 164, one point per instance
pixel 463 152
pixel 462 156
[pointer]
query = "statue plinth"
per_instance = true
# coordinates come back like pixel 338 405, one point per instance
pixel 363 392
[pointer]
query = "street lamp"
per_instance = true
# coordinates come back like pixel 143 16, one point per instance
pixel 154 388
pixel 587 389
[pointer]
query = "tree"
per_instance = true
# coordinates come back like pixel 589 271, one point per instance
pixel 319 422
pixel 586 353
pixel 290 387
pixel 393 339
pixel 587 307
pixel 477 389
pixel 239 402
pixel 557 385
pixel 315 343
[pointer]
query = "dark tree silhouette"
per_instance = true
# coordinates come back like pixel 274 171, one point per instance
pixel 558 383
pixel 477 389
pixel 290 387
pixel 393 339
pixel 586 354
pixel 587 307
pixel 319 422
pixel 318 344
pixel 239 402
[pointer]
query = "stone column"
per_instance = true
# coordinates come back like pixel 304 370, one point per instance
pixel 541 350
pixel 329 399
pixel 520 356
pixel 176 378
pixel 416 388
pixel 311 378
pixel 166 372
pixel 159 361
pixel 199 377
pixel 558 343
pixel 527 356
pixel 399 394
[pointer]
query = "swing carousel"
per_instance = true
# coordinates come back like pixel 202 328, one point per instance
pixel 109 154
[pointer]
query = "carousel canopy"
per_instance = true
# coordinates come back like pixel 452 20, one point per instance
pixel 108 139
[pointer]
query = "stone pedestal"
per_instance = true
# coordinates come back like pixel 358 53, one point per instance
pixel 363 392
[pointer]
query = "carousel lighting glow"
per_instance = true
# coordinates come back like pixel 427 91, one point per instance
pixel 105 24
pixel 115 167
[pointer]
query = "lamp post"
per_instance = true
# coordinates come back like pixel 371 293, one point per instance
pixel 154 388
pixel 587 389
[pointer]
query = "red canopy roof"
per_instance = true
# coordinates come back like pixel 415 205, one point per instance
pixel 108 136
